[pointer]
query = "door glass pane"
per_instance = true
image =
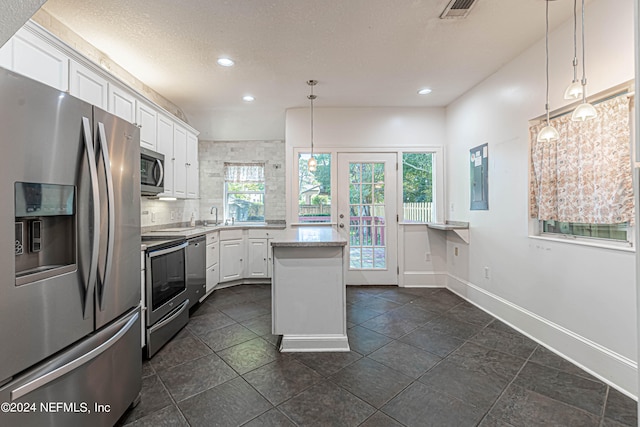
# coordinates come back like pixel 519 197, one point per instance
pixel 367 222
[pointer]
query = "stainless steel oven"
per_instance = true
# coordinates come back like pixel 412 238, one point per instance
pixel 166 297
pixel 151 172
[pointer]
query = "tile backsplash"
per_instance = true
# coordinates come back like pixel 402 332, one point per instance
pixel 212 155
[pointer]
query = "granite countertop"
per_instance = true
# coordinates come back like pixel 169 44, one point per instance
pixel 310 237
pixel 201 230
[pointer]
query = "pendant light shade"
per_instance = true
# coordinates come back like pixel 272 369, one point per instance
pixel 547 133
pixel 584 111
pixel 574 90
pixel 312 164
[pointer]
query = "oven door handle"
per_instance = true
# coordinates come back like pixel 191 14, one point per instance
pixel 160 252
pixel 170 317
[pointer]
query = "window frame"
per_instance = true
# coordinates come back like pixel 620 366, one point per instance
pixel 536 226
pixel 226 194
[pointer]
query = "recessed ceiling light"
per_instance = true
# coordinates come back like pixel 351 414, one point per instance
pixel 424 91
pixel 225 62
pixel 248 98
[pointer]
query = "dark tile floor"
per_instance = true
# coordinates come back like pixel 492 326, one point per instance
pixel 420 357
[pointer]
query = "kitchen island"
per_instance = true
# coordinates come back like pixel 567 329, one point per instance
pixel 308 290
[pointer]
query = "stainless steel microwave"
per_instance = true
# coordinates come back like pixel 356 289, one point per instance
pixel 151 172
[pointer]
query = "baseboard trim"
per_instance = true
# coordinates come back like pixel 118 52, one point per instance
pixel 614 369
pixel 316 343
pixel 434 279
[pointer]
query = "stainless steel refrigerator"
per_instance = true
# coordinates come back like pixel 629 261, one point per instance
pixel 70 291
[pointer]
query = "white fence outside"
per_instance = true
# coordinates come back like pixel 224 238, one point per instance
pixel 417 212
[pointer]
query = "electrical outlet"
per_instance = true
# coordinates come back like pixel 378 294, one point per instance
pixel 486 273
pixel 427 256
pixel 153 217
pixel 455 250
pixel 173 215
pixel 452 207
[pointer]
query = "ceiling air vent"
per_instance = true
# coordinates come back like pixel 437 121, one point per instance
pixel 457 9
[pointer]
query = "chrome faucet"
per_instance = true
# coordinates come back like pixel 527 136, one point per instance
pixel 211 212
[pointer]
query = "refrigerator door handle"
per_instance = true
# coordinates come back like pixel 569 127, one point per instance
pixel 95 192
pixel 161 169
pixel 58 372
pixel 104 151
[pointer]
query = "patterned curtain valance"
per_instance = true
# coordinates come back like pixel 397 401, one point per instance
pixel 244 172
pixel 586 175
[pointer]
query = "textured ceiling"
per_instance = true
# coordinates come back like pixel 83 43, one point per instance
pixel 367 53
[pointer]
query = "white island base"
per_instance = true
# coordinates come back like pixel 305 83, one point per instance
pixel 309 308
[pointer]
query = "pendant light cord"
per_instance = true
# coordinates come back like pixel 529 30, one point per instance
pixel 584 67
pixel 311 97
pixel 546 46
pixel 575 41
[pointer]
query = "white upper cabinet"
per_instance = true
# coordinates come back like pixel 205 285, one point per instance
pixel 87 85
pixel 6 55
pixel 193 170
pixel 180 163
pixel 165 146
pixel 147 118
pixel 122 103
pixel 33 57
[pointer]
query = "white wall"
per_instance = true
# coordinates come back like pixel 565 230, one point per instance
pixel 377 129
pixel 581 301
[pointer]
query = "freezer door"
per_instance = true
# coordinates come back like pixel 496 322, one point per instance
pixel 90 384
pixel 118 160
pixel 44 144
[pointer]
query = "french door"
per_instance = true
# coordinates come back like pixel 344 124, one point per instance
pixel 367 216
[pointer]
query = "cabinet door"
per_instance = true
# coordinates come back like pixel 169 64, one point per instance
pixel 193 177
pixel 147 118
pixel 231 260
pixel 165 146
pixel 213 277
pixel 257 259
pixel 87 85
pixel 180 164
pixel 34 58
pixel 122 103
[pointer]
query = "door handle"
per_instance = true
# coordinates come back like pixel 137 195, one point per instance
pixel 95 194
pixel 104 151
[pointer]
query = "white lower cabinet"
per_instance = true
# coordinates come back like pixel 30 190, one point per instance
pixel 232 260
pixel 257 259
pixel 213 258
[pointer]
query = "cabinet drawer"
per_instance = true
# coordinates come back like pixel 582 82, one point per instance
pixel 213 277
pixel 213 254
pixel 231 234
pixel 262 234
pixel 212 237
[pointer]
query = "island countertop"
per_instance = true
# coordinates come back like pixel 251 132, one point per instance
pixel 309 237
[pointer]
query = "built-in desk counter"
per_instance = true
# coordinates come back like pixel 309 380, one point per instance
pixel 308 289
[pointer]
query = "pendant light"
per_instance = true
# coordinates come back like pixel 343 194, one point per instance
pixel 574 90
pixel 312 165
pixel 547 133
pixel 584 111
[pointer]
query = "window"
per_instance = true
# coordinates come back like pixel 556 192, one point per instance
pixel 244 192
pixel 314 189
pixel 417 187
pixel 581 185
